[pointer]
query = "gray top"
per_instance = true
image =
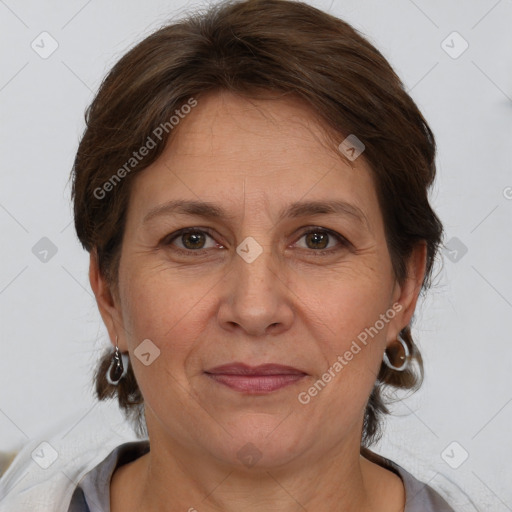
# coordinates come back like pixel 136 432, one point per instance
pixel 93 491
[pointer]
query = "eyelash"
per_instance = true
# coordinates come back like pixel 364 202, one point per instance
pixel 201 252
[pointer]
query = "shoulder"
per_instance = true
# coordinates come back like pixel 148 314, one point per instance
pixel 94 487
pixel 45 473
pixel 420 497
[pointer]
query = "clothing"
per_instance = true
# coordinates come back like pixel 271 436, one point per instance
pixel 47 468
pixel 93 492
pixel 80 462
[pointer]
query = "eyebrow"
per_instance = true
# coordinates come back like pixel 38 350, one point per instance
pixel 298 209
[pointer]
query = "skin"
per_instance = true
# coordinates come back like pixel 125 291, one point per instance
pixel 291 306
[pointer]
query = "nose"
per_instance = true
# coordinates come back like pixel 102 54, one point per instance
pixel 256 298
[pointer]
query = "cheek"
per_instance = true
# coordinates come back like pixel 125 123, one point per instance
pixel 347 302
pixel 352 314
pixel 159 306
pixel 165 307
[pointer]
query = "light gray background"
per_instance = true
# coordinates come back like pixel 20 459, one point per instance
pixel 51 333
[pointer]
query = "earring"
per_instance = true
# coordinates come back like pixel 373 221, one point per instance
pixel 404 358
pixel 117 370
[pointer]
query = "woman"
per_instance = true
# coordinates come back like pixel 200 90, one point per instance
pixel 252 187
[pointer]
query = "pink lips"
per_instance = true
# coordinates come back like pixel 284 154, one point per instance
pixel 255 379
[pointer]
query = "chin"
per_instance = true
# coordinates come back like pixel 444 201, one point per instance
pixel 262 442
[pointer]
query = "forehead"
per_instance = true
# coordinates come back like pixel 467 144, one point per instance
pixel 270 127
pixel 232 149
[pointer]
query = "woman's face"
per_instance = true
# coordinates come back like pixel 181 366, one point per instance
pixel 249 286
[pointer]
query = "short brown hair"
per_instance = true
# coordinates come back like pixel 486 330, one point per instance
pixel 283 46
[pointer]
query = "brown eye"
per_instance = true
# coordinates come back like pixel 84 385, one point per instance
pixel 323 241
pixel 193 240
pixel 317 240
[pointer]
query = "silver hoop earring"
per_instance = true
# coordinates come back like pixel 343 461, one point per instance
pixel 118 367
pixel 404 358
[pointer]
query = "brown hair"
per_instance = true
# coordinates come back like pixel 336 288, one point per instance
pixel 283 46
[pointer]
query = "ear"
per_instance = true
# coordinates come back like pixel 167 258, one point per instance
pixel 406 294
pixel 108 307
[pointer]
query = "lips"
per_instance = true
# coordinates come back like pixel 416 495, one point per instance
pixel 263 369
pixel 260 379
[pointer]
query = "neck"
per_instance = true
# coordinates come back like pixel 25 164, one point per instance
pixel 169 479
pixel 176 476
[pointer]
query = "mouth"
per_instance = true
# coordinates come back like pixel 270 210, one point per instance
pixel 255 379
